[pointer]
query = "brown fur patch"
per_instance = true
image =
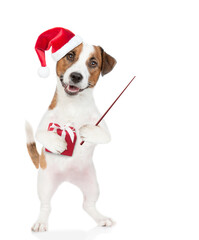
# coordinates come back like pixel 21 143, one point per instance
pixel 108 62
pixel 32 150
pixel 42 160
pixel 63 64
pixel 53 102
pixel 95 72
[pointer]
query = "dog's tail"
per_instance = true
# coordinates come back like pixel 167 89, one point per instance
pixel 31 145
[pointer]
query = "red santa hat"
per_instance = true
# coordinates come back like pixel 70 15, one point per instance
pixel 60 40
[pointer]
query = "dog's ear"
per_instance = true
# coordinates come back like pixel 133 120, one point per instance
pixel 108 62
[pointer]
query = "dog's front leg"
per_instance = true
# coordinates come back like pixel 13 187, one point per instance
pixel 94 134
pixel 52 141
pixel 49 139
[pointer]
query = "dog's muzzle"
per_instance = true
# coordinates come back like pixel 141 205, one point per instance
pixel 70 88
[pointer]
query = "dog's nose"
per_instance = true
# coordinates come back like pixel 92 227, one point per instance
pixel 76 77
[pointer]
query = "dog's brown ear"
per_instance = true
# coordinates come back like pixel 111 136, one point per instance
pixel 108 62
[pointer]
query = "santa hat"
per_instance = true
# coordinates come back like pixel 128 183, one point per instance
pixel 61 40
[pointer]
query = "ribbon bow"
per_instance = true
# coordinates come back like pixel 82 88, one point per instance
pixel 65 128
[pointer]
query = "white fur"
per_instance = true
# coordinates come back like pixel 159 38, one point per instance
pixel 29 133
pixel 81 111
pixel 80 66
pixel 93 134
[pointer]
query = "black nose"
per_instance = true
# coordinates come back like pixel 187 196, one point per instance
pixel 76 77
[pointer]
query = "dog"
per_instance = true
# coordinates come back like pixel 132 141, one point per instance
pixel 77 75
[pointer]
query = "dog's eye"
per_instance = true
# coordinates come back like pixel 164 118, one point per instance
pixel 93 63
pixel 70 56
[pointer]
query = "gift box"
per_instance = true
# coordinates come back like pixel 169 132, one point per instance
pixel 68 133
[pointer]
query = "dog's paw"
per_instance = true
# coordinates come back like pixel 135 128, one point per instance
pixel 93 134
pixel 40 227
pixel 106 222
pixel 56 144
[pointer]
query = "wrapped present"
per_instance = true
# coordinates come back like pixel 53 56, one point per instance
pixel 68 133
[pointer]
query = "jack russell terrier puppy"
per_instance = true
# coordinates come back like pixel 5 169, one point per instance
pixel 77 74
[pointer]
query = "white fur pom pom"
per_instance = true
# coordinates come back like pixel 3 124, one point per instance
pixel 44 72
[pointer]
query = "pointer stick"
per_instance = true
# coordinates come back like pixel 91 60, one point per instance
pixel 112 105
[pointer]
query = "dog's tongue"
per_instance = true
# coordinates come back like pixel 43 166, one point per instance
pixel 72 89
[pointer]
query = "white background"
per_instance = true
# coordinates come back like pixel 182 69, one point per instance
pixel 149 173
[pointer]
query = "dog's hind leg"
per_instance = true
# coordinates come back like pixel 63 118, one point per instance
pixel 87 183
pixel 47 185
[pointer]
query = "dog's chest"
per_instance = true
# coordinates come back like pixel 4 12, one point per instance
pixel 74 113
pixel 77 116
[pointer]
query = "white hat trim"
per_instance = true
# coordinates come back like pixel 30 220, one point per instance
pixel 72 43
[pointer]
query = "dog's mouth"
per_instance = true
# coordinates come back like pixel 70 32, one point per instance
pixel 71 90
